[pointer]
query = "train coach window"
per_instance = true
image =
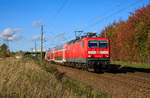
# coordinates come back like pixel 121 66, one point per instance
pixel 82 44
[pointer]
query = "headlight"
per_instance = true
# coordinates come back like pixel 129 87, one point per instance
pixel 106 56
pixel 89 56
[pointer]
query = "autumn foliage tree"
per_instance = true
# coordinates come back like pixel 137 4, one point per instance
pixel 130 40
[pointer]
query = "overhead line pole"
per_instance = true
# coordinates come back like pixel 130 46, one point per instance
pixel 41 43
pixel 35 45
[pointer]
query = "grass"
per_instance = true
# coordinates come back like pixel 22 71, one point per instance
pixel 81 89
pixel 134 65
pixel 26 78
pixel 21 80
pixel 77 89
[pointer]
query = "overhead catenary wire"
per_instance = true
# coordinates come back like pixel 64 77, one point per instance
pixel 112 14
pixel 112 8
pixel 107 11
pixel 104 18
pixel 63 5
pixel 57 13
pixel 59 9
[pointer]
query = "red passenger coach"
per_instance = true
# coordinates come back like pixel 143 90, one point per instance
pixel 86 52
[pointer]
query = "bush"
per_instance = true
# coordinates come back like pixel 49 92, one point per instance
pixel 51 69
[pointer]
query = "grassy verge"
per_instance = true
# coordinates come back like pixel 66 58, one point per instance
pixel 76 88
pixel 134 65
pixel 29 79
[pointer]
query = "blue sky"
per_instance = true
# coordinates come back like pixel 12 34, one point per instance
pixel 60 19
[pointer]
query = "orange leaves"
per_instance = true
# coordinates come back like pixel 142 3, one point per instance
pixel 130 39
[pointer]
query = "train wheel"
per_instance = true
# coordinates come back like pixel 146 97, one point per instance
pixel 87 67
pixel 97 68
pixel 84 66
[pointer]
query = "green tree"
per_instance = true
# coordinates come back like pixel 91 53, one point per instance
pixel 4 52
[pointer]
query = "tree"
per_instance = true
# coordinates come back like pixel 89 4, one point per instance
pixel 130 39
pixel 4 52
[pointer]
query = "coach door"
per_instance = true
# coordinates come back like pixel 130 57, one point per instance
pixel 63 54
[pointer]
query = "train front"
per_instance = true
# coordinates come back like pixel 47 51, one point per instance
pixel 98 51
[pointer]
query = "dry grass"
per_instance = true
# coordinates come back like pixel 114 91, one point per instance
pixel 19 79
pixel 26 79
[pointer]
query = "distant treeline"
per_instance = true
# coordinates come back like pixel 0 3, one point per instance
pixel 5 52
pixel 130 40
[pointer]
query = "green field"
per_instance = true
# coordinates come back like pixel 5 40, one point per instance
pixel 134 65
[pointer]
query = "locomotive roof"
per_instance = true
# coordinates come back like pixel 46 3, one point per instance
pixel 79 38
pixel 74 41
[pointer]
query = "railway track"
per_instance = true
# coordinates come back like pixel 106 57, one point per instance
pixel 139 76
pixel 142 74
pixel 139 82
pixel 135 84
pixel 145 80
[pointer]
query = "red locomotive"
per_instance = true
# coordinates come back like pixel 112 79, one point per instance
pixel 85 52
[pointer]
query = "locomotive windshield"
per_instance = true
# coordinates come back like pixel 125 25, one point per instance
pixel 93 43
pixel 98 43
pixel 103 43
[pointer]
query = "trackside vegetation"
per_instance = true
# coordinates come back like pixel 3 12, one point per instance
pixel 132 64
pixel 130 39
pixel 28 78
pixel 4 51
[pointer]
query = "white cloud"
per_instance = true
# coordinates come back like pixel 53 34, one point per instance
pixel 14 37
pixel 10 33
pixel 37 37
pixel 36 23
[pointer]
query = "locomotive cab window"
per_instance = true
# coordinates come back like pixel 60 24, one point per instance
pixel 98 43
pixel 103 44
pixel 92 43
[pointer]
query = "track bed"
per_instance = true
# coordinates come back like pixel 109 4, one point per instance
pixel 130 84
